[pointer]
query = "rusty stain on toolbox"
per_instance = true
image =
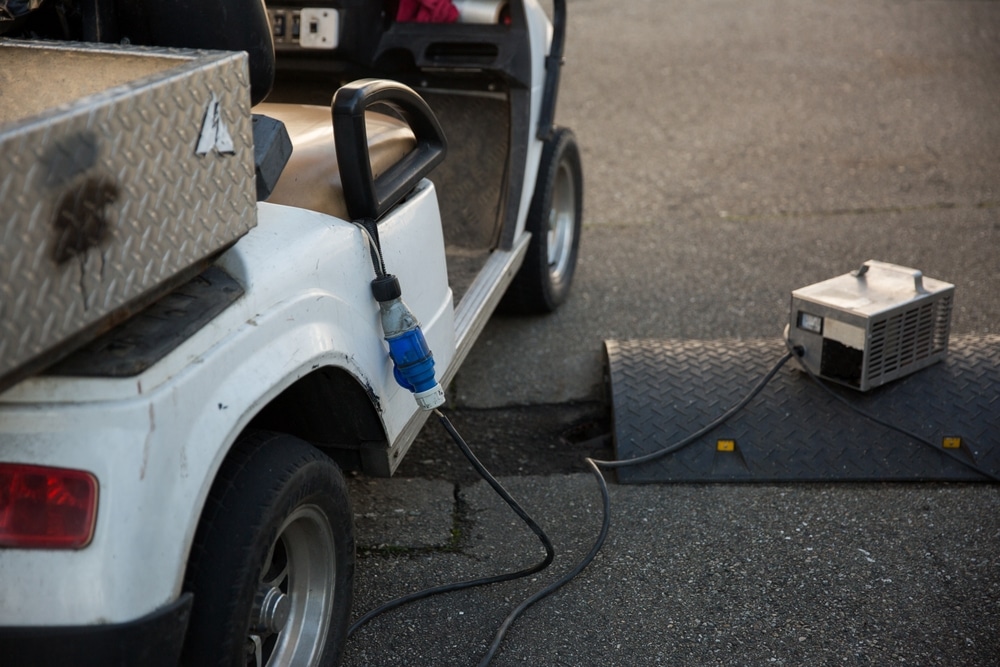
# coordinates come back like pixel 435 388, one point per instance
pixel 81 221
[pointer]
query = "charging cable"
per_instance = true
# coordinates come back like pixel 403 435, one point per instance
pixel 413 369
pixel 457 586
pixel 595 465
pixel 799 352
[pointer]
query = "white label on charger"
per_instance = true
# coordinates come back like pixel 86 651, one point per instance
pixel 848 334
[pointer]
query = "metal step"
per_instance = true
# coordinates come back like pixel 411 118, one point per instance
pixel 663 390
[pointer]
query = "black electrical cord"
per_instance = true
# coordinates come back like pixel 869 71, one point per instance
pixel 461 585
pixel 798 351
pixel 596 465
pixel 719 421
pixel 370 231
pixel 566 578
pixel 551 588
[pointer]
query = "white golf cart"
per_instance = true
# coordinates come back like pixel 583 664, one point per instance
pixel 190 346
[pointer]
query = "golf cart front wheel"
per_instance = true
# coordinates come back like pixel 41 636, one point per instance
pixel 272 565
pixel 554 220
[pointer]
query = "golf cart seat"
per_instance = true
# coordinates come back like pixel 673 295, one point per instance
pixel 311 178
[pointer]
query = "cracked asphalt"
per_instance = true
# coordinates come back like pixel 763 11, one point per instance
pixel 733 151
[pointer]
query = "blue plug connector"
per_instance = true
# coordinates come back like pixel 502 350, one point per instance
pixel 413 362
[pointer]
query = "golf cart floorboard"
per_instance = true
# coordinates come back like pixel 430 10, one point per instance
pixel 663 390
pixel 464 264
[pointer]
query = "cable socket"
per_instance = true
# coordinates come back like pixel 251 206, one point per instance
pixel 413 362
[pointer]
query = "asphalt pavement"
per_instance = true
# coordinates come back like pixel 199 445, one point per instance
pixel 733 151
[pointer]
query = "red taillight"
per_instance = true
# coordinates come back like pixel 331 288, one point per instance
pixel 46 508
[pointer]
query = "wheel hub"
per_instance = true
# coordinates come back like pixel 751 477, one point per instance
pixel 272 610
pixel 291 612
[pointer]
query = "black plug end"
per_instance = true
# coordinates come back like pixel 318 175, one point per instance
pixel 386 288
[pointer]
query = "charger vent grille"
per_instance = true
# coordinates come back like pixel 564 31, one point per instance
pixel 906 338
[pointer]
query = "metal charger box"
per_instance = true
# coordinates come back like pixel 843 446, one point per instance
pixel 871 326
pixel 123 171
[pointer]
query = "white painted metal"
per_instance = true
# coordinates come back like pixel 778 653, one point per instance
pixel 155 441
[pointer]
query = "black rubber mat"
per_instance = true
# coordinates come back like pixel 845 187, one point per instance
pixel 664 390
pixel 470 180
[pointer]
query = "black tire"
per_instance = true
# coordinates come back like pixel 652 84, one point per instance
pixel 555 221
pixel 277 517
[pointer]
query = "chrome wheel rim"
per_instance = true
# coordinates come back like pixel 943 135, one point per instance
pixel 291 615
pixel 562 223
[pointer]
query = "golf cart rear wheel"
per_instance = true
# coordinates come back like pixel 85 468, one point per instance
pixel 272 565
pixel 554 220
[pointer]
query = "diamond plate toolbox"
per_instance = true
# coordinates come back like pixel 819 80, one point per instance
pixel 123 171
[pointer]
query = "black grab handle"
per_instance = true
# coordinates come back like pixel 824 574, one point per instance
pixel 366 197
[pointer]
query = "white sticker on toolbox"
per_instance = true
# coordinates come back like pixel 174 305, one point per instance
pixel 214 133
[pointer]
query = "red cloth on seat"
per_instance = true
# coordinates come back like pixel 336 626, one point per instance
pixel 426 11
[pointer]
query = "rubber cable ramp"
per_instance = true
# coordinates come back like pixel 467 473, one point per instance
pixel 663 390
